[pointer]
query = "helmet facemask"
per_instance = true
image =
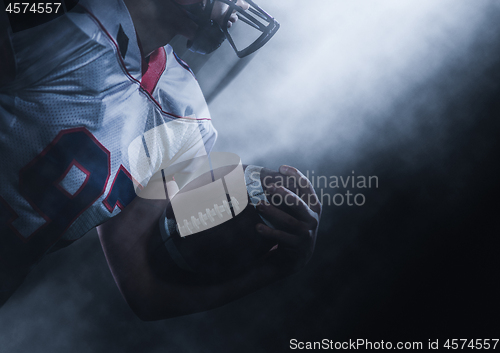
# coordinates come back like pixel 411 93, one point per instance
pixel 260 27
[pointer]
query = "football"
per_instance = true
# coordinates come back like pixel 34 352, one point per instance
pixel 232 244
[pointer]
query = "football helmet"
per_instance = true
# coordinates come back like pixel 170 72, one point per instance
pixel 260 26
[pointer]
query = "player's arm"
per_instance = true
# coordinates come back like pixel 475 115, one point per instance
pixel 127 238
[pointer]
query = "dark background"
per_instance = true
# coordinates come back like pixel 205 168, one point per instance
pixel 418 261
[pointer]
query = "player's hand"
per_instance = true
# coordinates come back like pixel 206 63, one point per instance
pixel 296 218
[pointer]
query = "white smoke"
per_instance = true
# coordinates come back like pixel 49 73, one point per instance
pixel 333 66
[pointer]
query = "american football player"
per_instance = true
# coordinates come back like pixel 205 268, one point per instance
pixel 76 91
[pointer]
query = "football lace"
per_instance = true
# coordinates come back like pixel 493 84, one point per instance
pixel 194 225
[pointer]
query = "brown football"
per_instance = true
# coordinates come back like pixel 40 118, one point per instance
pixel 225 249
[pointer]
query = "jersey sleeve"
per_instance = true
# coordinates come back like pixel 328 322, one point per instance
pixel 182 133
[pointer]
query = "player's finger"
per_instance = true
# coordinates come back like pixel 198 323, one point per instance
pixel 301 181
pixel 284 198
pixel 283 221
pixel 306 190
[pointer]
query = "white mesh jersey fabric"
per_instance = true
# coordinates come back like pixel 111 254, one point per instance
pixel 74 180
pixel 75 89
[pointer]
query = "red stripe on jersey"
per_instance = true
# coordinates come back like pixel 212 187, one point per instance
pixel 156 67
pixel 110 37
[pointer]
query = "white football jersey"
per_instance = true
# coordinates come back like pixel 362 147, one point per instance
pixel 71 118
